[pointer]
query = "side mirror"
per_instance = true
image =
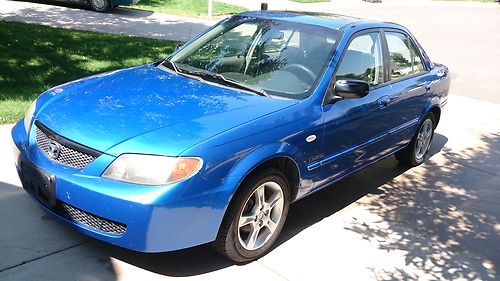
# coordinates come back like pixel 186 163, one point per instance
pixel 351 89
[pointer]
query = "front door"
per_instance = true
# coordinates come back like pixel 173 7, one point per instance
pixel 355 130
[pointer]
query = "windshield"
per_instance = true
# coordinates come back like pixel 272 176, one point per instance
pixel 283 58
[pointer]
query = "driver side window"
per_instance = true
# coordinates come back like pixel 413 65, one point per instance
pixel 363 60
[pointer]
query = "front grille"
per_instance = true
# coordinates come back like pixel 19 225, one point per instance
pixel 74 214
pixel 71 154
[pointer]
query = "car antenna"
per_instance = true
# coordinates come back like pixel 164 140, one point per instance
pixel 190 30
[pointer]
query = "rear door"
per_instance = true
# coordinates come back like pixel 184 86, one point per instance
pixel 410 85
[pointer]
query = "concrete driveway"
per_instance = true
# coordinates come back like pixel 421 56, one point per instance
pixel 437 221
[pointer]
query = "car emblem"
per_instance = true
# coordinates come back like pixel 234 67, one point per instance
pixel 54 150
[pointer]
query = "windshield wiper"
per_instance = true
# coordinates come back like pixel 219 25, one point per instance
pixel 197 75
pixel 178 71
pixel 230 82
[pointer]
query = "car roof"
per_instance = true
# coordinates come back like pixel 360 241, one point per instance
pixel 335 21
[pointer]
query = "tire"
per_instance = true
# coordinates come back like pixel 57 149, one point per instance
pixel 100 6
pixel 234 239
pixel 416 151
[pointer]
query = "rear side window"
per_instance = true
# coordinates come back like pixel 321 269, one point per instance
pixel 363 60
pixel 418 66
pixel 403 56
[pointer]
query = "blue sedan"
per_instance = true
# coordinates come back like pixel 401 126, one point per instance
pixel 213 143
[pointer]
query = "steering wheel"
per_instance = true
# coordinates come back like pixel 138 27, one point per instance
pixel 302 68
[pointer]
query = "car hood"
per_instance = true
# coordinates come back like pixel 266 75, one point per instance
pixel 147 110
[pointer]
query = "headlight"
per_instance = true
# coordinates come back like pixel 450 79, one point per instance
pixel 152 169
pixel 29 116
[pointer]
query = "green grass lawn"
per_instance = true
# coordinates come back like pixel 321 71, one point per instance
pixel 188 7
pixel 35 58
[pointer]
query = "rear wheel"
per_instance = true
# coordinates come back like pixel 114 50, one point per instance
pixel 100 6
pixel 255 217
pixel 418 148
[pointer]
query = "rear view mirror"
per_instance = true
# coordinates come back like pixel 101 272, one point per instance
pixel 278 35
pixel 351 89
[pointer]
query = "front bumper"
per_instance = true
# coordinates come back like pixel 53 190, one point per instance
pixel 156 218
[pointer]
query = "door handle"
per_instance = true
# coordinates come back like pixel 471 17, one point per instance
pixel 427 86
pixel 384 101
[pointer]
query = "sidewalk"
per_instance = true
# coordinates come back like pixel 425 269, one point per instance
pixel 120 21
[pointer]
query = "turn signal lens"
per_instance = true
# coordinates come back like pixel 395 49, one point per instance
pixel 184 168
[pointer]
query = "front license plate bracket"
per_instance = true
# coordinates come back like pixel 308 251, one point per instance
pixel 39 183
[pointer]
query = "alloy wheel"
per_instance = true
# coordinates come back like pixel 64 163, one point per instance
pixel 424 138
pixel 261 214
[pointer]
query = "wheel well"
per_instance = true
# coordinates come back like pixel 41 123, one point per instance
pixel 287 166
pixel 437 113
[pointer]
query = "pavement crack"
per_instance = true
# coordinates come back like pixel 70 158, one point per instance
pixel 44 256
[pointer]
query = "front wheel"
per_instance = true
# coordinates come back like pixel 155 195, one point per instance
pixel 100 6
pixel 418 148
pixel 255 217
